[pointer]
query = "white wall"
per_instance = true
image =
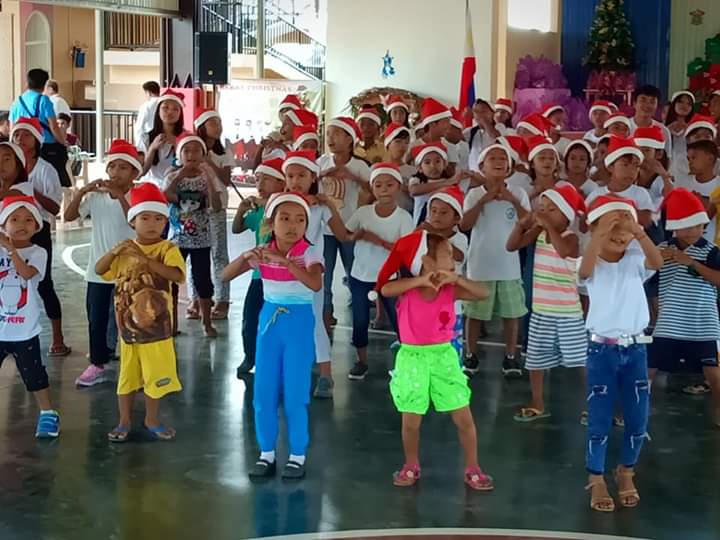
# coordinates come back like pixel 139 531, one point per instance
pixel 425 37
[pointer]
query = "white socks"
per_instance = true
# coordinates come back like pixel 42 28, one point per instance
pixel 300 460
pixel 268 456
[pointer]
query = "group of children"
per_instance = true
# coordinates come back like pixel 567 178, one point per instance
pixel 600 252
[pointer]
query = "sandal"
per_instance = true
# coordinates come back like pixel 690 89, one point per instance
pixel 220 311
pixel 530 414
pixel 119 434
pixel 696 389
pixel 584 418
pixel 210 332
pixel 407 476
pixel 478 480
pixel 293 471
pixel 192 313
pixel 602 503
pixel 619 421
pixel 161 433
pixel 59 350
pixel 263 469
pixel 629 498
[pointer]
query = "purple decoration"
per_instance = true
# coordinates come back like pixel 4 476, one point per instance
pixel 539 73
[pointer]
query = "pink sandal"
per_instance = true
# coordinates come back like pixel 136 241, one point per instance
pixel 407 476
pixel 478 480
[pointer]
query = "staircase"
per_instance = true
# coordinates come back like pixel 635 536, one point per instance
pixel 283 40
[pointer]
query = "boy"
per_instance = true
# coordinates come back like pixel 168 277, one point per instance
pixel 490 212
pixel 369 147
pixel 435 123
pixel 600 111
pixel 397 142
pixel 702 156
pixel 22 265
pixel 455 137
pixel 144 271
pixel 556 117
pixel 105 201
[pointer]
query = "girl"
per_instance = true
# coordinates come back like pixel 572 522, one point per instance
pixel 427 366
pixel 618 124
pixel 306 138
pixel 369 147
pixel 503 116
pixel 483 133
pixel 678 118
pixel 397 142
pixel 558 118
pixel 653 172
pixel 431 159
pixel 13 176
pixel 291 270
pixel 159 144
pixel 599 112
pixel 398 111
pixel 577 159
pixel 544 164
pixel 191 192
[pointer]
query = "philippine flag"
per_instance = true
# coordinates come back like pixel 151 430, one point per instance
pixel 467 78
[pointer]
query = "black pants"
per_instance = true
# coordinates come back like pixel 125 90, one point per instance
pixel 56 154
pixel 46 289
pixel 98 302
pixel 251 316
pixel 201 276
pixel 28 360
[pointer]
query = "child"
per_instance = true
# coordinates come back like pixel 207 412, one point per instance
pixel 483 132
pixel 503 116
pixel 192 194
pixel 700 128
pixel 556 115
pixel 577 159
pixel 426 366
pixel 599 112
pixel 306 138
pixel 369 147
pixel 532 125
pixel 23 265
pixel 159 145
pixel 435 122
pixel 144 271
pixel 617 359
pixel 645 104
pixel 291 270
pixel 557 330
pixel 4 127
pixel 433 175
pixel 679 114
pixel 688 327
pixel 397 142
pixel 398 111
pixel 598 172
pixel 13 177
pixel 714 105
pixel 250 214
pixel 653 172
pixel 617 124
pixel 544 163
pixel 702 156
pixel 105 201
pixel 490 213
pixel 454 137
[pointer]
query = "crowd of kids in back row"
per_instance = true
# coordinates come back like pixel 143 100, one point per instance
pixel 607 242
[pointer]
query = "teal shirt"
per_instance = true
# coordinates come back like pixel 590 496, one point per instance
pixel 254 220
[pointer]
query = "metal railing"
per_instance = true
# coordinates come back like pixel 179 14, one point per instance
pixel 118 125
pixel 130 31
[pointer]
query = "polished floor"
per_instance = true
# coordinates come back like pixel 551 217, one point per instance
pixel 82 487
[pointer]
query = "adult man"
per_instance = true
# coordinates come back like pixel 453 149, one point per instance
pixel 59 103
pixel 146 112
pixel 646 101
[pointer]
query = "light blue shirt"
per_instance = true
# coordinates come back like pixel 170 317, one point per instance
pixel 35 105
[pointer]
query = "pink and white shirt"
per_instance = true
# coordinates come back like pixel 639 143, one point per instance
pixel 280 286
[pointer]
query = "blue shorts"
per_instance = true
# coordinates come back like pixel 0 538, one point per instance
pixel 682 356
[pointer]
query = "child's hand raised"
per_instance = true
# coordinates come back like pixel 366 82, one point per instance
pixel 605 225
pixel 253 256
pixel 504 194
pixel 6 242
pixel 270 256
pixel 444 277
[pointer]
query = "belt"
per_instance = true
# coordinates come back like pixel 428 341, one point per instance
pixel 622 341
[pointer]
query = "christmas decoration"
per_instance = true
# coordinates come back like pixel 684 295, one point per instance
pixel 610 45
pixel 696 17
pixel 704 73
pixel 539 73
pixel 379 96
pixel 388 70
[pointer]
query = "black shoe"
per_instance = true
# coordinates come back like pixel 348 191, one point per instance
pixel 511 368
pixel 245 367
pixel 293 471
pixel 263 469
pixel 471 365
pixel 358 371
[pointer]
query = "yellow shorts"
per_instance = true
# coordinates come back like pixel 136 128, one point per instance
pixel 148 366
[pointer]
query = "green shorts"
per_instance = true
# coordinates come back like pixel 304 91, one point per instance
pixel 428 372
pixel 506 299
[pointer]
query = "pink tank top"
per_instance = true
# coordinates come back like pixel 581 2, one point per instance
pixel 426 322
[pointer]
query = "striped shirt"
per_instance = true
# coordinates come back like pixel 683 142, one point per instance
pixel 688 302
pixel 554 281
pixel 280 286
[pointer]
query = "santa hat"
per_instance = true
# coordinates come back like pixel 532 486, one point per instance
pixel 610 203
pixel 291 101
pixel 385 168
pixel 18 151
pixel 497 146
pixel 687 93
pixel 394 102
pixel 684 209
pixel 517 146
pixel 699 121
pixel 271 167
pixel 31 125
pixel 12 203
pixel 121 150
pixel 346 124
pixel 305 158
pixel 203 115
pixel 302 117
pixel 715 93
pixel 537 144
pixel 581 143
pixel 601 105
pixel 184 139
pixel 147 197
pixel 169 95
pixel 407 253
pixel 457 118
pixel 369 112
pixel 617 118
pixel 620 146
pixel 451 195
pixel 504 104
pixel 650 137
pixel 394 130
pixel 302 134
pixel 568 200
pixel 432 111
pixel 420 151
pixel 276 199
pixel 551 108
pixel 535 123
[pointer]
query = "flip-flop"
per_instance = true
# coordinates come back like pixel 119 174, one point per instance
pixel 62 350
pixel 161 433
pixel 119 434
pixel 696 389
pixel 530 414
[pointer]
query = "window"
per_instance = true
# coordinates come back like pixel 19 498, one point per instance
pixel 532 14
pixel 37 42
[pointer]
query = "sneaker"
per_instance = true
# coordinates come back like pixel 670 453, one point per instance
pixel 245 367
pixel 471 364
pixel 324 388
pixel 511 368
pixel 358 371
pixel 48 426
pixel 92 375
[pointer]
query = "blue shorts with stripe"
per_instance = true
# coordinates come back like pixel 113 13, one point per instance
pixel 556 341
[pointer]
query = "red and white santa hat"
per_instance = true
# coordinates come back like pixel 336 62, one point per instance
pixel 407 253
pixel 579 143
pixel 271 167
pixel 31 125
pixel 385 168
pixel 679 93
pixel 276 199
pixel 302 117
pixel 203 115
pixel 394 102
pixel 346 124
pixel 12 203
pixel 551 108
pixel 369 112
pixel 621 146
pixel 602 105
pixel 432 111
pixel 504 104
pixel 184 139
pixel 303 134
pixel 457 118
pixel 291 101
pixel 121 150
pixel 420 151
pixel 517 146
pixel 394 130
pixel 610 203
pixel 537 144
pixel 535 123
pixel 18 151
pixel 451 195
pixel 568 200
pixel 147 197
pixel 699 121
pixel 496 146
pixel 305 158
pixel 617 118
pixel 684 209
pixel 170 95
pixel 650 137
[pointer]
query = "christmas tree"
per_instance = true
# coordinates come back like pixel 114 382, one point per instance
pixel 610 45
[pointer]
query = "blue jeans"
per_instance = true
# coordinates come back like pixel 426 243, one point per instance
pixel 616 372
pixel 361 311
pixel 347 255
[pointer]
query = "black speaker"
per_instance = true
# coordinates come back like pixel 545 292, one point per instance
pixel 212 58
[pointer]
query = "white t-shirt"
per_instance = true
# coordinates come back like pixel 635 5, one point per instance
pixel 479 143
pixel 60 105
pixel 20 303
pixel 453 152
pixel 704 189
pixel 405 200
pixel 317 222
pixel 419 201
pixel 351 189
pixel 561 146
pixel 461 153
pixel 460 242
pixel 487 259
pixel 369 257
pixel 166 160
pixel 45 180
pixel 225 160
pixel 144 121
pixel 666 131
pixel 591 137
pixel 109 228
pixel 640 195
pixel 521 180
pixel 618 305
pixel 586 189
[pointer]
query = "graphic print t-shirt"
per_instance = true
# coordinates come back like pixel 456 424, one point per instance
pixel 190 217
pixel 19 300
pixel 143 300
